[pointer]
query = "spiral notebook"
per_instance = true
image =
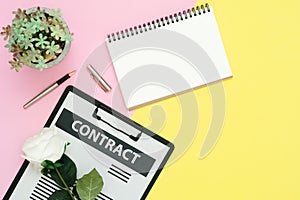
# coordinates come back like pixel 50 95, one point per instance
pixel 168 56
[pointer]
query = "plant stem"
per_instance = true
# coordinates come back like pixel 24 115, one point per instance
pixel 63 181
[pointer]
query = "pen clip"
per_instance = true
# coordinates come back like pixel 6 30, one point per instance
pixel 131 136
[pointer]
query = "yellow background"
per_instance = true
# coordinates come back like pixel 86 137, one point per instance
pixel 258 154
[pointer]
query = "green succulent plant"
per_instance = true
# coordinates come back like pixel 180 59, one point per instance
pixel 36 37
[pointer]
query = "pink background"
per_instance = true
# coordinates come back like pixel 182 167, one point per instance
pixel 90 21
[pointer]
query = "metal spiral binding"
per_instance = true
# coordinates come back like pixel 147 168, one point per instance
pixel 160 22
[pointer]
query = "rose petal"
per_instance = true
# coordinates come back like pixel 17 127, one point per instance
pixel 45 145
pixel 55 148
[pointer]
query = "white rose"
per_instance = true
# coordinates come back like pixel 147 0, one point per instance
pixel 45 145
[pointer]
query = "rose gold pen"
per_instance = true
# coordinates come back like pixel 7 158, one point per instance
pixel 49 89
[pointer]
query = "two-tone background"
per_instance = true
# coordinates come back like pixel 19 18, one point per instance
pixel 257 156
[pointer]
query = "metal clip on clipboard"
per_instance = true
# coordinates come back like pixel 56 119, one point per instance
pixel 133 137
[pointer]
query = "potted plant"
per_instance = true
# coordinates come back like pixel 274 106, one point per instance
pixel 38 38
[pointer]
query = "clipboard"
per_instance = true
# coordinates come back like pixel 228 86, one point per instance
pixel 128 156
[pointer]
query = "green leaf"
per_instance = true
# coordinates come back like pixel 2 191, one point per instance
pixel 90 185
pixel 47 164
pixel 57 165
pixel 68 171
pixel 45 171
pixel 60 195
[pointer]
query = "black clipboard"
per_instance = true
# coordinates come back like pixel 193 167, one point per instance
pixel 117 115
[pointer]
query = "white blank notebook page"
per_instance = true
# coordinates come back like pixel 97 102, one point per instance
pixel 168 56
